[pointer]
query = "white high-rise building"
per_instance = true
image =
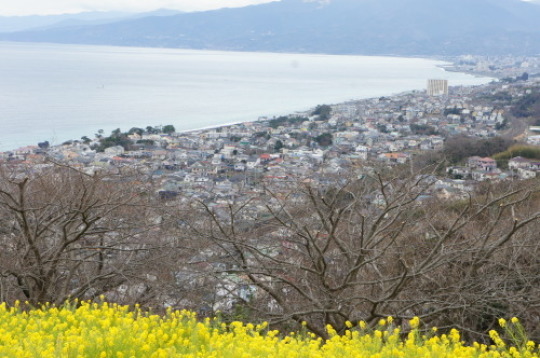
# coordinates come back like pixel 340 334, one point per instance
pixel 437 87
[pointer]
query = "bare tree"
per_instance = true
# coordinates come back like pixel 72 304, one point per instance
pixel 65 234
pixel 369 248
pixel 341 250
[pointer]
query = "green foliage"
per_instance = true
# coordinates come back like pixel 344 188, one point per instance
pixel 502 97
pixel 423 129
pixel 324 140
pixel 117 133
pixel 112 142
pixel 527 106
pixel 116 138
pixel 501 125
pixel 286 121
pixel 324 112
pixel 168 129
pixel 278 146
pixel 261 135
pixel 457 149
pixel 136 130
pixel 146 142
pixel 382 128
pixel 523 77
pixel 519 150
pixel 455 110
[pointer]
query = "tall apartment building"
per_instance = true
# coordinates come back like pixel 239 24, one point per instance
pixel 437 87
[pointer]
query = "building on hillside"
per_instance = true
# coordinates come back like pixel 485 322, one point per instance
pixel 437 88
pixel 534 140
pixel 483 164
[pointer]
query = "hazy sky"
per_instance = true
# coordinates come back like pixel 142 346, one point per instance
pixel 47 7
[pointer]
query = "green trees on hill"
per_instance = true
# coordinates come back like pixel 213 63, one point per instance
pixel 324 140
pixel 527 106
pixel 525 151
pixel 458 148
pixel 119 138
pixel 135 130
pixel 324 112
pixel 286 121
pixel 423 129
pixel 168 129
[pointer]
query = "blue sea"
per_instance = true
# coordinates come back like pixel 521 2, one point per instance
pixel 60 92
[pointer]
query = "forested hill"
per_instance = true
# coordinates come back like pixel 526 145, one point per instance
pixel 396 27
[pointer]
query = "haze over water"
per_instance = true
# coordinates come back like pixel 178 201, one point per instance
pixel 61 92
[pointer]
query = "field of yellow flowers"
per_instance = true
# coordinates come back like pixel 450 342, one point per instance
pixel 103 330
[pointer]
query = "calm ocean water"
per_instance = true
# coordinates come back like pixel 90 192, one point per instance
pixel 61 92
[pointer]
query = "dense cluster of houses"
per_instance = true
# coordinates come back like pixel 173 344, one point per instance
pixel 496 66
pixel 230 159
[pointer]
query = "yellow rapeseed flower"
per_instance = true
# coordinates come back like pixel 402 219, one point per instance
pixel 108 330
pixel 414 322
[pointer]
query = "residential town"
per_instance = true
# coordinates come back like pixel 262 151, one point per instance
pixel 353 136
pixel 503 67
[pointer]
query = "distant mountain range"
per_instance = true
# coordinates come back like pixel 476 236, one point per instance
pixel 382 27
pixel 45 22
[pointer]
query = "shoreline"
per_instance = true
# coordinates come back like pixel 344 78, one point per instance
pixel 262 119
pixel 352 100
pixel 334 87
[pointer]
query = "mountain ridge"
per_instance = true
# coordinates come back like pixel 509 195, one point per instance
pixel 367 27
pixel 45 22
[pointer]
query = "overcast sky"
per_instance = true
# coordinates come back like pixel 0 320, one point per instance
pixel 48 7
